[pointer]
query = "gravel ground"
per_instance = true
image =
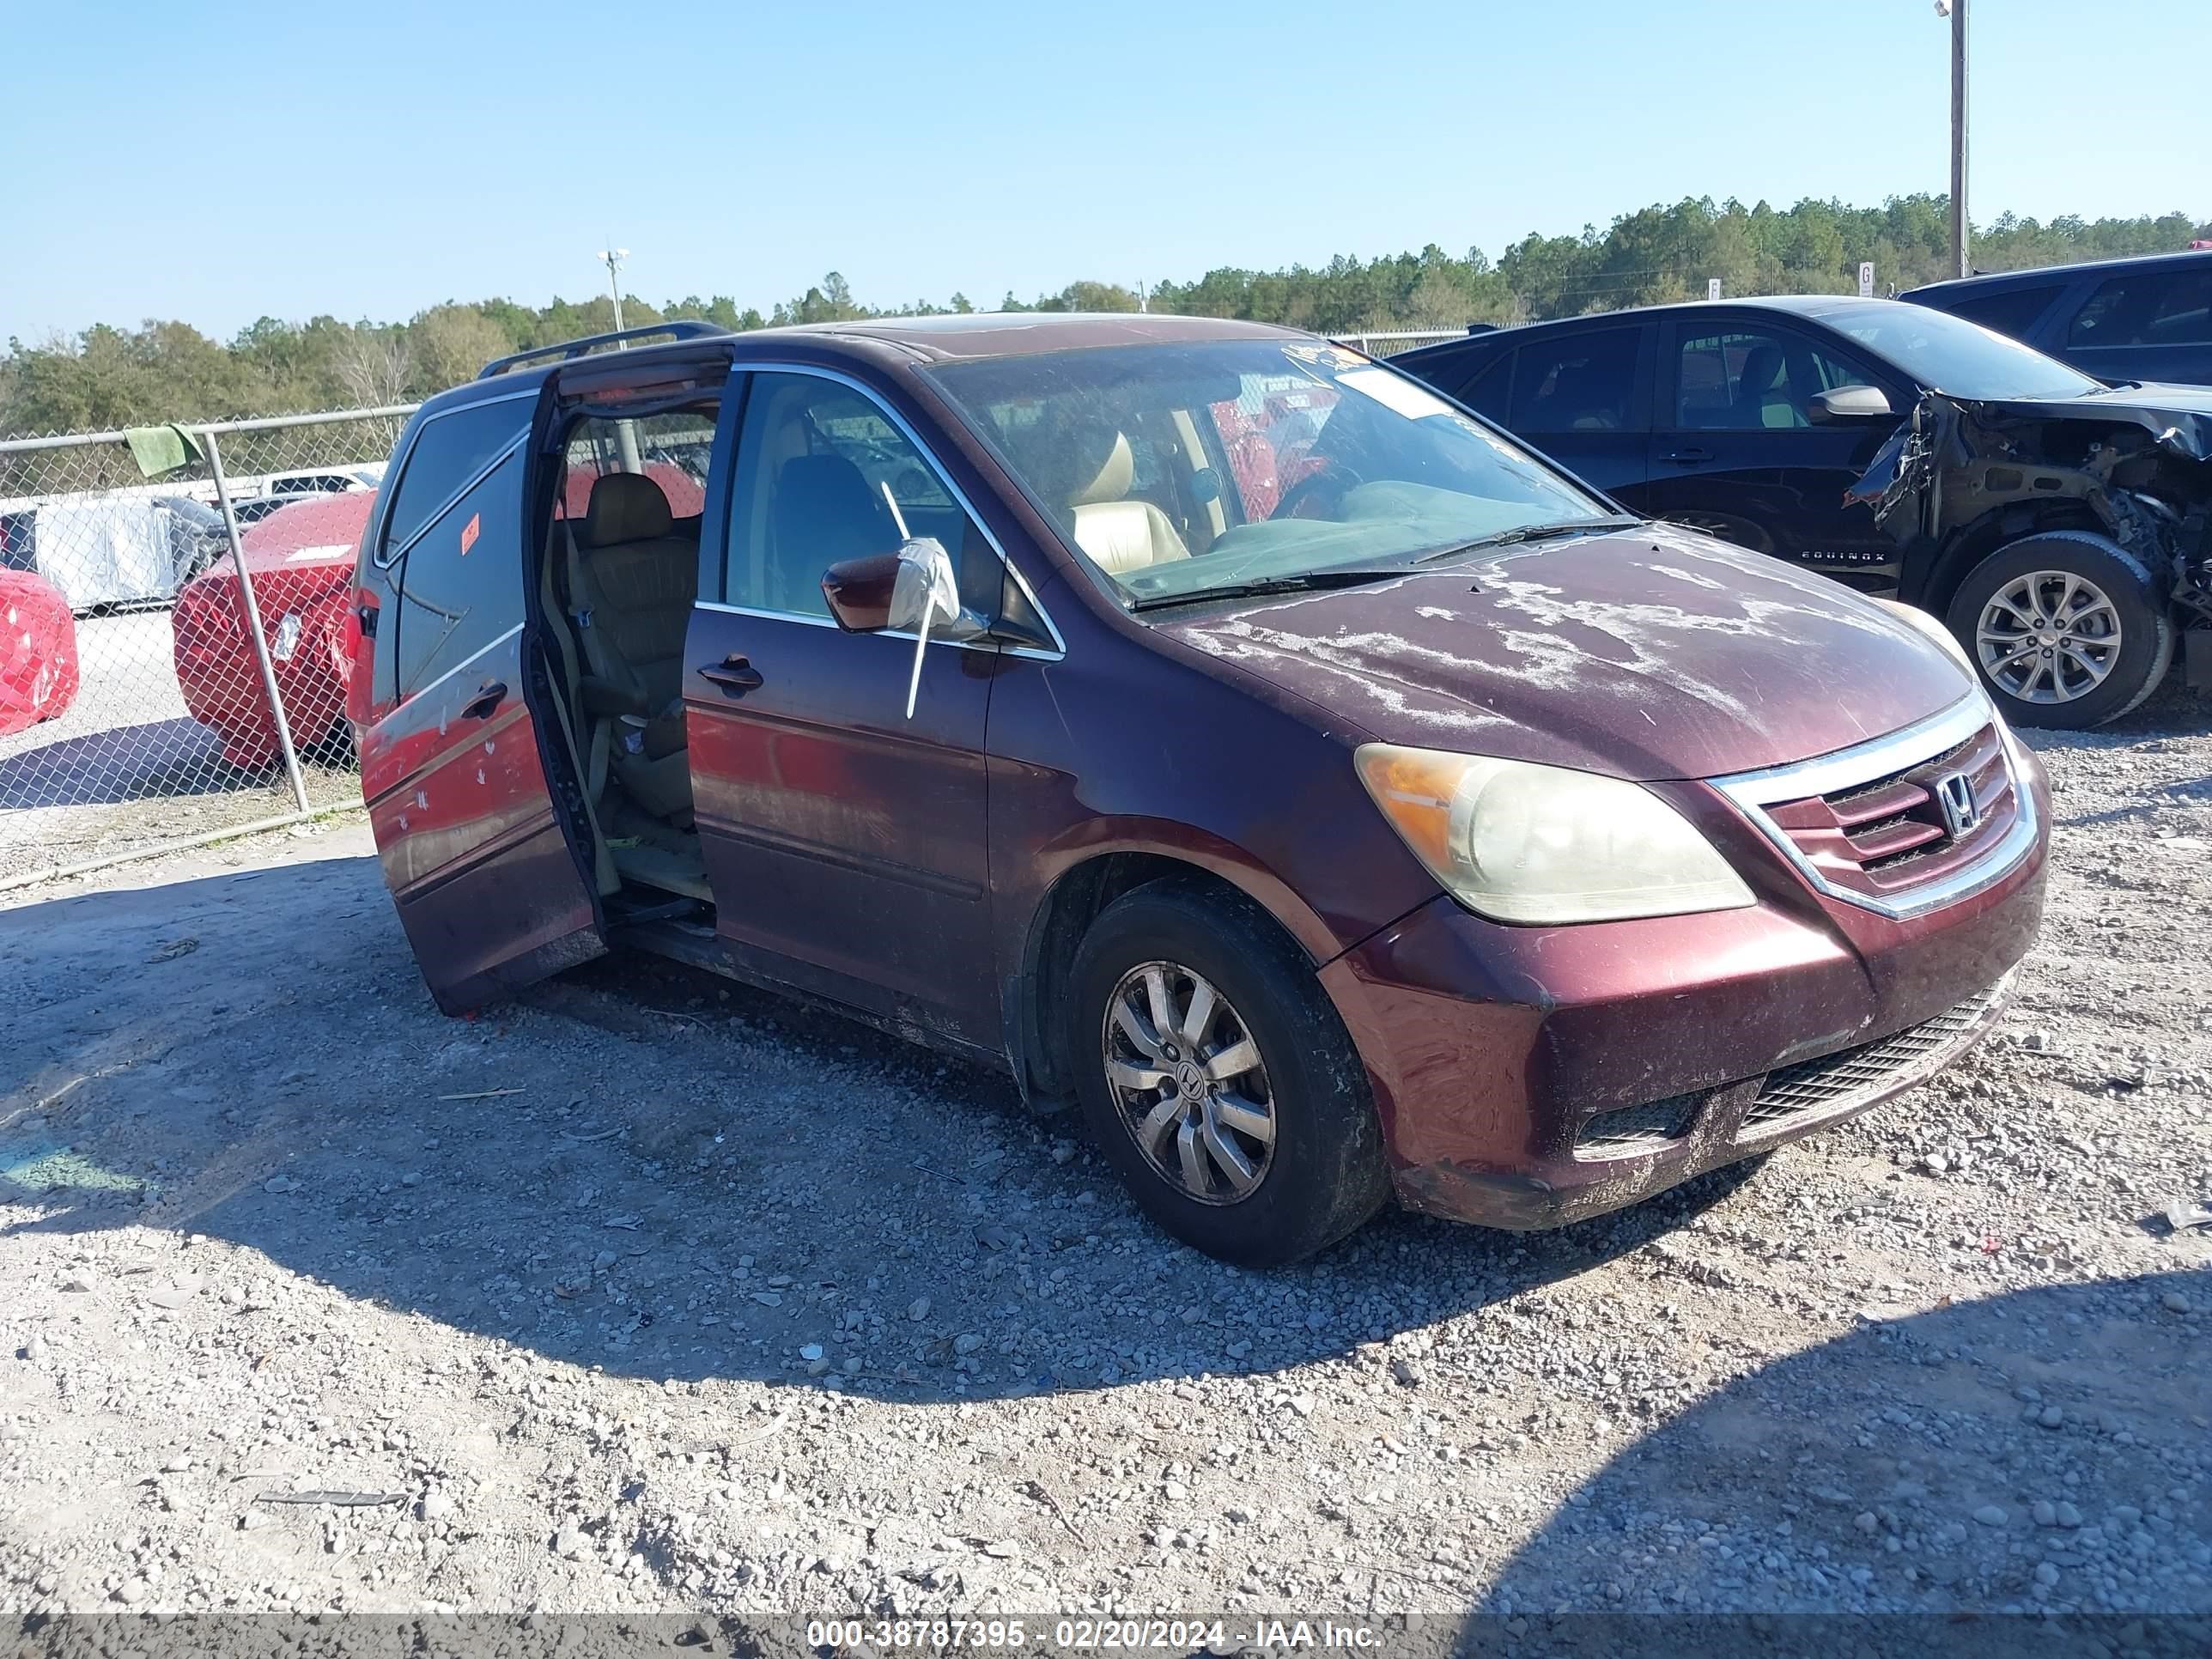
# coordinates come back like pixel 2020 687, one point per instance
pixel 124 767
pixel 650 1293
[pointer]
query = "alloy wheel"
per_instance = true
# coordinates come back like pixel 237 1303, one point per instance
pixel 2048 637
pixel 1186 1076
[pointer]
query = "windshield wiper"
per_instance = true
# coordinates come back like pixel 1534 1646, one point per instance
pixel 1532 532
pixel 1308 581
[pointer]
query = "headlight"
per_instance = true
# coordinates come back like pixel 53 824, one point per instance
pixel 1520 843
pixel 1932 628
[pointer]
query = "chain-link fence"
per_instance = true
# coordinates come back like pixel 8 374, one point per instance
pixel 1389 342
pixel 154 686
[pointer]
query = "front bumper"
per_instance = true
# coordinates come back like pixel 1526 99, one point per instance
pixel 1529 1077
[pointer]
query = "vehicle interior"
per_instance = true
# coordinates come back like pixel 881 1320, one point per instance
pixel 616 579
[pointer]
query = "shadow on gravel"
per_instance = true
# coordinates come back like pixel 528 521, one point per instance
pixel 2045 1450
pixel 639 1168
pixel 159 759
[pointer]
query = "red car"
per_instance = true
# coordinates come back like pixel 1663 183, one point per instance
pixel 301 558
pixel 1384 813
pixel 37 651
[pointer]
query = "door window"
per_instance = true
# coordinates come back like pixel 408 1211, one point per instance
pixel 1485 395
pixel 1750 380
pixel 1582 383
pixel 460 585
pixel 2154 308
pixel 449 451
pixel 823 476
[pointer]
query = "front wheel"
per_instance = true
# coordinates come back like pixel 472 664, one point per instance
pixel 1218 1080
pixel 2068 628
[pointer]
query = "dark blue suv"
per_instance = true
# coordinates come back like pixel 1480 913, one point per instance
pixel 2118 319
pixel 2061 527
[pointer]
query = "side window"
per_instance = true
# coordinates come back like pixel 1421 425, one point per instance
pixel 1749 380
pixel 448 452
pixel 2012 311
pixel 671 450
pixel 460 586
pixel 2152 309
pixel 1583 383
pixel 1485 395
pixel 824 476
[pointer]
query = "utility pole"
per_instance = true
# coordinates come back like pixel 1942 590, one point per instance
pixel 614 257
pixel 625 431
pixel 1961 261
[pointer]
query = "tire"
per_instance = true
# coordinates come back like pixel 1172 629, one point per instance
pixel 1318 1173
pixel 2056 684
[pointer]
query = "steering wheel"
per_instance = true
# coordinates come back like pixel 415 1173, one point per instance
pixel 1319 494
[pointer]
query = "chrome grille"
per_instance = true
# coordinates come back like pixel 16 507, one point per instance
pixel 1904 824
pixel 1890 833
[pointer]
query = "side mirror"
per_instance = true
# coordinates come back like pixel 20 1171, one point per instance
pixel 859 591
pixel 914 590
pixel 1851 402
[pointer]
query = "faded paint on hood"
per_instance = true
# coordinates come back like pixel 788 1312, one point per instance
pixel 1648 653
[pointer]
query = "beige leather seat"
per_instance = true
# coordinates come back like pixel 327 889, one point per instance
pixel 631 583
pixel 1119 534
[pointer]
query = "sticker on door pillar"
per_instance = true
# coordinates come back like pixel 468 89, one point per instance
pixel 468 533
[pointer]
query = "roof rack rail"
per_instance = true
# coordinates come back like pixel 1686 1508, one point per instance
pixel 682 328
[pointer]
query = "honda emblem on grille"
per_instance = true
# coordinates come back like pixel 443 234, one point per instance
pixel 1955 799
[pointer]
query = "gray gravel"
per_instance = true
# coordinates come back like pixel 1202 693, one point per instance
pixel 705 1303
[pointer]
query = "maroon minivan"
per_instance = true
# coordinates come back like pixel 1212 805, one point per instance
pixel 1217 728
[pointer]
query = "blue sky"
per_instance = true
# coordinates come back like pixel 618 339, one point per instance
pixel 218 163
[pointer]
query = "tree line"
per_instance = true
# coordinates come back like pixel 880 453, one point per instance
pixel 109 376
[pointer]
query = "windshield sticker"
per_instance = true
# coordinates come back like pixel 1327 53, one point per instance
pixel 468 532
pixel 1395 392
pixel 1322 354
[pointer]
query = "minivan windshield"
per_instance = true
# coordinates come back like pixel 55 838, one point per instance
pixel 1956 357
pixel 1183 468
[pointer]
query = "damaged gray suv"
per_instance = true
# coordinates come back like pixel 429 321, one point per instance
pixel 2063 527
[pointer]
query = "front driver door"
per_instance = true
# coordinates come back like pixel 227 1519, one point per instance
pixel 1736 451
pixel 844 840
pixel 489 891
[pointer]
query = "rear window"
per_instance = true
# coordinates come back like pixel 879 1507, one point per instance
pixel 1582 383
pixel 2150 309
pixel 2012 311
pixel 449 451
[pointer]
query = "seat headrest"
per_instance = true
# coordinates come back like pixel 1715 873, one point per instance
pixel 1104 467
pixel 823 508
pixel 1762 368
pixel 626 507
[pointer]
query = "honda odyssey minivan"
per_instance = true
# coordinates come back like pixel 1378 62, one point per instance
pixel 1216 728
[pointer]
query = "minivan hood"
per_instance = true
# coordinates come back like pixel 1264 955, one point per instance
pixel 1656 652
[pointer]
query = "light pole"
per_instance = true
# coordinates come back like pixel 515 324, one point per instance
pixel 1962 265
pixel 625 431
pixel 614 257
